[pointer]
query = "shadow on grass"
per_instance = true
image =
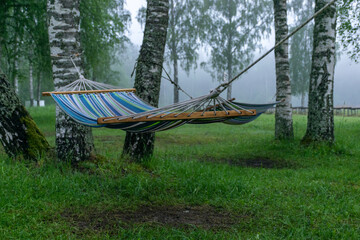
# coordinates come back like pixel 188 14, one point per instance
pixel 97 219
pixel 255 162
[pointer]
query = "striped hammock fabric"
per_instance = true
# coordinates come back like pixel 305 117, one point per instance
pixel 87 108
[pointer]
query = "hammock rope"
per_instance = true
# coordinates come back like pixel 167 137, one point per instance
pixel 116 108
pixel 166 78
pixel 224 86
pixel 101 105
pixel 182 110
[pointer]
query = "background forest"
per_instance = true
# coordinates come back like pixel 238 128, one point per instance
pixel 111 34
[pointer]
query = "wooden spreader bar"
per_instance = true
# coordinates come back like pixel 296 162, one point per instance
pixel 91 91
pixel 181 116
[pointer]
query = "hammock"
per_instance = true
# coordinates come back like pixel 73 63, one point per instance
pixel 122 109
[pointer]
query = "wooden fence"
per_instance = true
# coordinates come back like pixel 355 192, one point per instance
pixel 339 111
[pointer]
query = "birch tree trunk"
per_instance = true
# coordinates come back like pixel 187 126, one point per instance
pixel 229 71
pixel 229 54
pixel 174 54
pixel 39 78
pixel 31 83
pixel 16 77
pixel 15 69
pixel 74 142
pixel 229 88
pixel 176 80
pixel 283 113
pixel 18 132
pixel 140 146
pixel 320 126
pixel 303 99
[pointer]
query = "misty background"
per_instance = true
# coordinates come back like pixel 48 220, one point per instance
pixel 255 86
pixel 111 42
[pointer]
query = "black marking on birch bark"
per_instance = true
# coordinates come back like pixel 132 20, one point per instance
pixel 320 125
pixel 283 113
pixel 74 142
pixel 148 73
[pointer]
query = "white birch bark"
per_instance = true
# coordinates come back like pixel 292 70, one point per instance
pixel 31 83
pixel 302 99
pixel 176 80
pixel 16 78
pixel 229 55
pixel 38 91
pixel 283 113
pixel 320 125
pixel 73 141
pixel 148 73
pixel 174 52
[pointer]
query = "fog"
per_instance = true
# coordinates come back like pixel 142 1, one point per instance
pixel 256 86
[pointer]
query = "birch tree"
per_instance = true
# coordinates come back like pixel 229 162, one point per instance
pixel 283 113
pixel 148 73
pixel 349 27
pixel 31 83
pixel 182 38
pixel 103 26
pixel 301 48
pixel 233 30
pixel 23 30
pixel 320 126
pixel 73 141
pixel 18 132
pixel 182 35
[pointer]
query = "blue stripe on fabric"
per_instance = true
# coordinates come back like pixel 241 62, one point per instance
pixel 90 108
pixel 80 118
pixel 86 108
pixel 92 98
pixel 127 104
pixel 120 108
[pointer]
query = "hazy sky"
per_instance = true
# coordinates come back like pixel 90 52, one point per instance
pixel 256 86
pixel 135 33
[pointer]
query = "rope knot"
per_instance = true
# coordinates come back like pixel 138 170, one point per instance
pixel 215 93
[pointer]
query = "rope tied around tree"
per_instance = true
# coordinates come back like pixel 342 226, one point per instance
pixel 167 74
pixel 223 86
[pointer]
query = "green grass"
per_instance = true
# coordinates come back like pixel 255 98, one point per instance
pixel 311 193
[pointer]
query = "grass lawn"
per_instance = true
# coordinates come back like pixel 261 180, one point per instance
pixel 204 182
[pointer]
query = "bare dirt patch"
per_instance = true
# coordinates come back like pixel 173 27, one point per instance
pixel 260 162
pixel 207 217
pixel 165 140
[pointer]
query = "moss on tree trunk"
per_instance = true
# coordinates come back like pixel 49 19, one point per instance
pixel 18 132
